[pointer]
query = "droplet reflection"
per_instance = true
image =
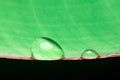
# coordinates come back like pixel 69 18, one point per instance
pixel 46 49
pixel 89 54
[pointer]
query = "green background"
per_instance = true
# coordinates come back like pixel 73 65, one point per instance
pixel 76 25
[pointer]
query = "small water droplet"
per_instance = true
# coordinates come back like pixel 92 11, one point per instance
pixel 89 54
pixel 46 49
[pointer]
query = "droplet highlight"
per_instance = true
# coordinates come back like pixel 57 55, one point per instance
pixel 46 49
pixel 89 54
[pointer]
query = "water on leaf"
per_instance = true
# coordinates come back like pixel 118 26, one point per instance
pixel 46 49
pixel 89 54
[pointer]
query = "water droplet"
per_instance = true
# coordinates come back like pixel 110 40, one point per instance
pixel 46 49
pixel 89 54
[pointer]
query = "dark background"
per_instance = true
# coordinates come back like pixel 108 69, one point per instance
pixel 109 65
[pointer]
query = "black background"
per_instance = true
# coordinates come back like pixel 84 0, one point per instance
pixel 86 68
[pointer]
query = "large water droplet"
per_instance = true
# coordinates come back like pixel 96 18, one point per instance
pixel 46 49
pixel 89 54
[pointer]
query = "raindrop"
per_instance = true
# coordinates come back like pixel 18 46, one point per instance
pixel 46 49
pixel 89 54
